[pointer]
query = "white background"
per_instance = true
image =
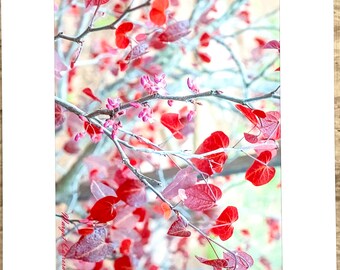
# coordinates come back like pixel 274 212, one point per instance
pixel 307 142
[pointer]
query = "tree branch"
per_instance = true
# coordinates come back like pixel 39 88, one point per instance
pixel 187 98
pixel 91 29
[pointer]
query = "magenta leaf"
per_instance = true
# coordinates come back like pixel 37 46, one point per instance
pixel 100 190
pixel 137 51
pixel 250 138
pixel 92 247
pixel 175 31
pixel 270 126
pixel 273 44
pixel 202 196
pixel 178 228
pixel 184 179
pixel 243 260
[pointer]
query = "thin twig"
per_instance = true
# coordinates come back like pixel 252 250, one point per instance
pixel 90 29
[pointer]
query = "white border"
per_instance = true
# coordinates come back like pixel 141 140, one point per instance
pixel 308 179
pixel 28 135
pixel 307 140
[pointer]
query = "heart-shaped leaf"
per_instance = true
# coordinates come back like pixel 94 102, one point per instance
pixel 184 179
pixel 214 162
pixel 103 210
pixel 259 172
pixel 224 228
pixel 92 247
pixel 173 123
pixel 179 228
pixel 202 196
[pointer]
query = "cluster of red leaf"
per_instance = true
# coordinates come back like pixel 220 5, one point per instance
pixel 268 123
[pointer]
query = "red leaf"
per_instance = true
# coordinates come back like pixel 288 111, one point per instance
pixel 248 113
pixel 250 138
pixel 273 44
pixel 214 162
pixel 202 196
pixel 86 230
pixel 94 131
pixel 218 263
pixel 205 40
pixel 184 179
pixel 125 246
pixel 243 260
pixel 124 28
pixel 258 173
pixel 122 41
pixel 157 13
pixel 270 126
pixel 157 17
pixel 92 247
pixel 204 57
pixel 59 117
pixel 88 92
pixel 95 2
pixel 259 113
pixel 132 192
pixel 100 190
pixel 175 31
pixel 103 210
pixel 123 263
pixel 160 4
pixel 178 228
pixel 173 123
pixel 224 228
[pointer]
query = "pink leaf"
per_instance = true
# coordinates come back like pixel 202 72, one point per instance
pixel 270 126
pixel 202 196
pixel 59 116
pixel 59 66
pixel 178 228
pixel 273 44
pixel 250 138
pixel 243 260
pixel 137 51
pixel 175 31
pixel 184 179
pixel 88 92
pixel 71 147
pixel 100 190
pixel 92 247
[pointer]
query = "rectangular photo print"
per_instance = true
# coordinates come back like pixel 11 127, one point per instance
pixel 167 135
